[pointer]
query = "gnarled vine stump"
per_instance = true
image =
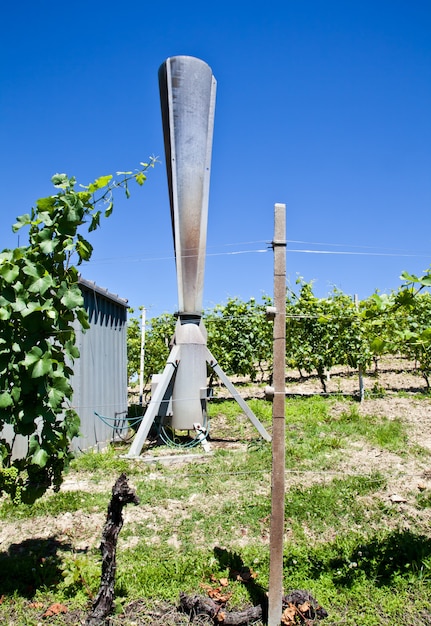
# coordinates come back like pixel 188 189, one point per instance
pixel 305 610
pixel 103 604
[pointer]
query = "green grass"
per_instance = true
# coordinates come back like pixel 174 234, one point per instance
pixel 95 465
pixel 55 504
pixel 367 561
pixel 322 506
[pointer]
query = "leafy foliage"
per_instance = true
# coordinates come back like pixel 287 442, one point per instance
pixel 323 332
pixel 158 337
pixel 40 304
pixel 416 302
pixel 240 337
pixel 400 323
pixel 379 325
pixel 134 333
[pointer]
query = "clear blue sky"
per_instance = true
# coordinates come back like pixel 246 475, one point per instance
pixel 323 105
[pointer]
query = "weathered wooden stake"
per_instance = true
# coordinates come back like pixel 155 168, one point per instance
pixel 142 359
pixel 275 595
pixel 360 368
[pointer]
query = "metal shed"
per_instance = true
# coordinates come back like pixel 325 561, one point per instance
pixel 99 381
pixel 100 374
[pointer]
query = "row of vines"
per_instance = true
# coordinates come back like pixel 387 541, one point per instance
pixel 321 333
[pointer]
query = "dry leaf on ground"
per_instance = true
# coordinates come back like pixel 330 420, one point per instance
pixel 55 609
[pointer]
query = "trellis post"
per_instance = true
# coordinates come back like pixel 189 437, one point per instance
pixel 278 420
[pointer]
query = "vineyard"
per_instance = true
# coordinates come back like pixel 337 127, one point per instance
pixel 323 334
pixel 357 490
pixel 358 485
pixel 358 494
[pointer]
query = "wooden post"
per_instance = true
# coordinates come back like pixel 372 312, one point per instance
pixel 360 369
pixel 278 419
pixel 142 359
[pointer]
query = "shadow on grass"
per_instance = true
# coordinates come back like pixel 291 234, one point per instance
pixel 242 573
pixel 381 561
pixel 420 391
pixel 31 565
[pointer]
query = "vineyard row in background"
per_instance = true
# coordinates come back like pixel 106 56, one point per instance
pixel 321 333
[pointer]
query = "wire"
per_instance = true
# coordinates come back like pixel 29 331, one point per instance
pixel 385 251
pixel 346 252
pixel 339 245
pixel 172 257
pixel 324 473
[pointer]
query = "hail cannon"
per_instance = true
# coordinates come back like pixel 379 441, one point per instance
pixel 187 96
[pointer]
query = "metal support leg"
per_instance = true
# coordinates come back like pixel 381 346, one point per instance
pixel 242 403
pixel 151 412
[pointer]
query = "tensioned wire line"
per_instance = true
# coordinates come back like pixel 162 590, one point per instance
pixel 152 402
pixel 346 245
pixel 217 318
pixel 389 252
pixel 172 257
pixel 345 252
pixel 227 398
pixel 259 251
pixel 324 473
pixel 208 321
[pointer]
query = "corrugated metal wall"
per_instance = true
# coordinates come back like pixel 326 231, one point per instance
pixel 100 374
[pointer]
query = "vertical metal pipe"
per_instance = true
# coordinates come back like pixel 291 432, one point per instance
pixel 278 416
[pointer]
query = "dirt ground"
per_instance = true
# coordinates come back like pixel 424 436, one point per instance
pixel 382 397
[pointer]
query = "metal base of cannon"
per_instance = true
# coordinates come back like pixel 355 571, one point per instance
pixel 163 396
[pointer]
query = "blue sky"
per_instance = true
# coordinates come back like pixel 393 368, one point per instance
pixel 323 105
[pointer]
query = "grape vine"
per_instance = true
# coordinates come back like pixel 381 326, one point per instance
pixel 321 333
pixel 39 303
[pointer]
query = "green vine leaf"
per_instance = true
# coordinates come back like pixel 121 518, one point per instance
pixel 23 220
pixel 48 246
pixel 109 209
pixel 84 249
pixel 33 356
pixel 61 181
pixel 40 457
pixel 99 183
pixel 9 272
pixel 42 367
pixel 72 298
pixel 55 397
pixel 5 400
pixel 41 284
pixel 40 305
pixel 140 178
pixel 95 221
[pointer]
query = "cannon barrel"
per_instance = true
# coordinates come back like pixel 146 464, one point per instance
pixel 187 96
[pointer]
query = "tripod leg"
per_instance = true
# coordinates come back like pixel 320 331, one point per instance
pixel 234 393
pixel 151 412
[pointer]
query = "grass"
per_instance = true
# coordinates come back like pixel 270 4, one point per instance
pixel 54 504
pixel 366 560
